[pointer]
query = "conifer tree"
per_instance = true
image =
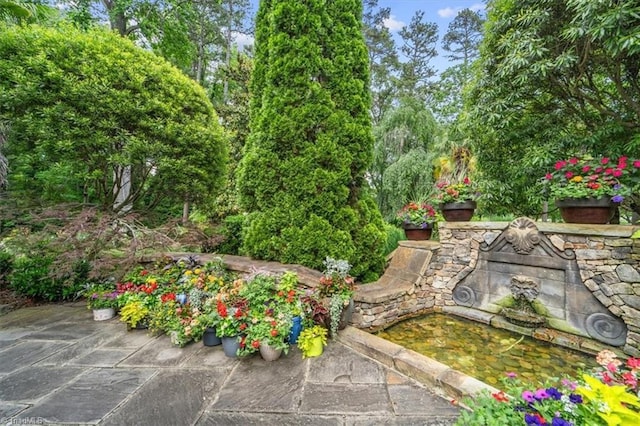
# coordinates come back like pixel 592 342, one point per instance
pixel 302 177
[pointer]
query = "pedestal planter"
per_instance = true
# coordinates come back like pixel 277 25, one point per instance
pixel 269 353
pixel 458 212
pixel 416 233
pixel 586 210
pixel 210 338
pixel 103 314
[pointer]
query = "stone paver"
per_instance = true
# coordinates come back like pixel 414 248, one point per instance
pixel 72 370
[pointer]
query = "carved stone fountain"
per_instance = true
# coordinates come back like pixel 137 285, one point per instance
pixel 522 276
pixel 524 290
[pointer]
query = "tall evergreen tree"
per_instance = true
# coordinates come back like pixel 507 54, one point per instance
pixel 419 40
pixel 302 176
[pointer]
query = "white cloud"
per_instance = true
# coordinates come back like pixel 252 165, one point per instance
pixel 243 40
pixel 393 24
pixel 449 12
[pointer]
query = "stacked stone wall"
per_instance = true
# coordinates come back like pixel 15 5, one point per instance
pixel 422 275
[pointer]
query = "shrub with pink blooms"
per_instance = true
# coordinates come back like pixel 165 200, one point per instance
pixel 608 395
pixel 588 177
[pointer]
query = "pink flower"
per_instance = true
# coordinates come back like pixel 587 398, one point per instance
pixel 633 363
pixel 605 160
pixel 573 160
pixel 511 375
pixel 568 175
pixel 636 164
pixel 608 171
pixel 548 176
pixel 585 169
pixel 560 164
pixel 617 173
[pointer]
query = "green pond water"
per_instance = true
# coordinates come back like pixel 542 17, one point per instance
pixel 485 352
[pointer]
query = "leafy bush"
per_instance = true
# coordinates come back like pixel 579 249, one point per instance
pixel 232 232
pixel 394 235
pixel 6 265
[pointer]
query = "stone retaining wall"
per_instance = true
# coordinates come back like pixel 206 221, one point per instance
pixel 422 275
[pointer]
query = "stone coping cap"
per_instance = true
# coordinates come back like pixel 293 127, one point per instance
pixel 381 291
pixel 550 227
pixel 420 244
pixel 439 377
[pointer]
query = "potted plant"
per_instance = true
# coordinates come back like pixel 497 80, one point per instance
pixel 231 323
pixel 587 190
pixel 267 333
pixel 417 219
pixel 135 312
pixel 457 198
pixel 312 341
pixel 103 301
pixel 338 287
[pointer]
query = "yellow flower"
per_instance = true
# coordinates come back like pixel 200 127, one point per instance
pixel 197 271
pixel 576 179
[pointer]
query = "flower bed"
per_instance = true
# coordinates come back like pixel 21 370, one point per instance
pixel 184 298
pixel 605 396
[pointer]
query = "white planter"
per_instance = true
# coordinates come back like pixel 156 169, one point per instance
pixel 103 314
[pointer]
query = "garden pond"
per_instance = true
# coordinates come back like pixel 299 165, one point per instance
pixel 485 352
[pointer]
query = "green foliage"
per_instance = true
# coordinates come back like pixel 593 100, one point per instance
pixel 302 175
pixel 31 276
pixel 232 232
pixel 83 106
pixel 6 265
pixel 394 235
pixel 555 78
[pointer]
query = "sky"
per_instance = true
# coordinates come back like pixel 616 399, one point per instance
pixel 440 12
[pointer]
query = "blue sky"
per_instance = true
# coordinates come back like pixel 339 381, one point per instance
pixel 440 12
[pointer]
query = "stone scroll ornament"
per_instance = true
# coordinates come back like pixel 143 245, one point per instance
pixel 523 235
pixel 606 328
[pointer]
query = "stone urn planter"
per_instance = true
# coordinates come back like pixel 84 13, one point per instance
pixel 586 210
pixel 103 314
pixel 416 232
pixel 458 212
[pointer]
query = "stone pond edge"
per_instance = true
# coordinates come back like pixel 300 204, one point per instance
pixel 440 378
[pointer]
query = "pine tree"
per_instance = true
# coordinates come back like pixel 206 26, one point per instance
pixel 302 175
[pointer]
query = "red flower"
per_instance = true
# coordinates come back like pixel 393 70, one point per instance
pixel 606 378
pixel 633 363
pixel 568 175
pixel 617 173
pixel 243 326
pixel 144 272
pixel 222 309
pixel 238 313
pixel 608 171
pixel 167 297
pixel 636 164
pixel 560 164
pixel 274 333
pixel 466 181
pixel 500 396
pixel 585 169
pixel 274 323
pixel 548 176
pixel 255 344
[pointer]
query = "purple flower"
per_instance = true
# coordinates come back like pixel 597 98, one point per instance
pixel 511 375
pixel 569 384
pixel 541 394
pixel 534 419
pixel 617 198
pixel 528 396
pixel 576 399
pixel 559 421
pixel 554 393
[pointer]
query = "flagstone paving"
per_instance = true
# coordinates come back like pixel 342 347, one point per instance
pixel 58 366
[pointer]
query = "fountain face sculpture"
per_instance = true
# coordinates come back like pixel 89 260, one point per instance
pixel 524 290
pixel 522 276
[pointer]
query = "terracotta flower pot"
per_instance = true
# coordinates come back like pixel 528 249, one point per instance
pixel 458 212
pixel 417 233
pixel 586 210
